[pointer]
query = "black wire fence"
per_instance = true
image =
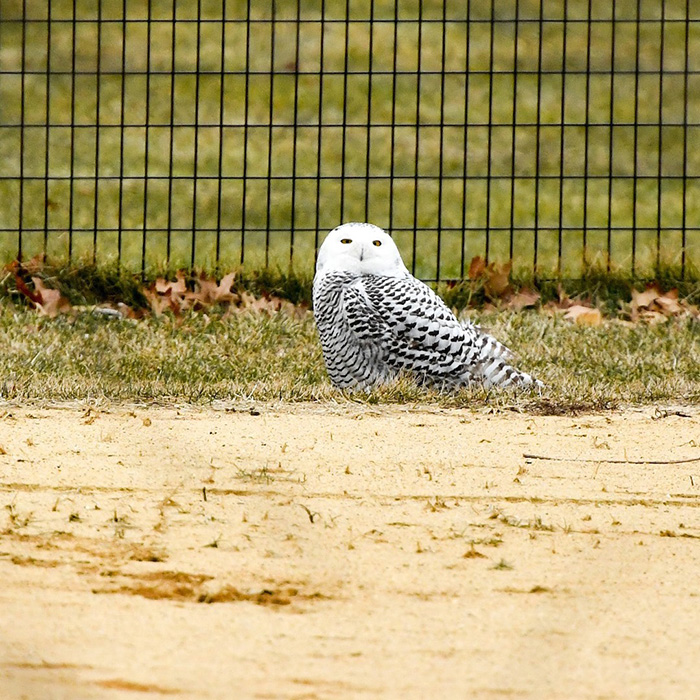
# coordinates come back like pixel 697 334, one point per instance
pixel 559 134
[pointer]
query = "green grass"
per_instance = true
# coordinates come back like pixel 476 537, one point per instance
pixel 500 152
pixel 247 358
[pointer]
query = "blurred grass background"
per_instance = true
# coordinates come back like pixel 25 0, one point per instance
pixel 125 134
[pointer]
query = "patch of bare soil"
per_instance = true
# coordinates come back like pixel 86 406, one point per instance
pixel 348 552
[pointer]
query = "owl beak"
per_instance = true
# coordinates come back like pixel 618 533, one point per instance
pixel 362 253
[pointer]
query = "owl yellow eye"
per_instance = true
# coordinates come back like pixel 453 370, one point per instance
pixel 346 240
pixel 376 242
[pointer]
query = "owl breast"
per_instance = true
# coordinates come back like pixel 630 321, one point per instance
pixel 351 361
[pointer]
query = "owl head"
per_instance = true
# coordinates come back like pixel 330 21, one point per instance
pixel 360 248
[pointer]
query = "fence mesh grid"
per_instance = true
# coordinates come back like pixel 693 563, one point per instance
pixel 227 132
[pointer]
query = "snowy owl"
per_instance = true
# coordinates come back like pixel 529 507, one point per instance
pixel 375 319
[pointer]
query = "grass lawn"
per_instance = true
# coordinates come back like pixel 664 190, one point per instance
pixel 259 357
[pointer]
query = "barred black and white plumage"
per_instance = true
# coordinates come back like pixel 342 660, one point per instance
pixel 376 320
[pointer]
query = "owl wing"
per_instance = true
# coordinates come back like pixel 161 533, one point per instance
pixel 410 327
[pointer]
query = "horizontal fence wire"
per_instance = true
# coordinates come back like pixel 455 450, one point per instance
pixel 221 133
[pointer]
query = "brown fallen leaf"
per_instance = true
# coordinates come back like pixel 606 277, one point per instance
pixel 179 286
pixel 646 298
pixel 35 264
pixel 476 267
pixel 209 292
pixel 168 295
pixel 161 302
pixel 47 301
pixel 584 315
pixel 50 302
pixel 653 317
pixel 497 279
pixel 177 297
pixel 522 299
pixel 24 289
pixel 669 304
pixel 653 305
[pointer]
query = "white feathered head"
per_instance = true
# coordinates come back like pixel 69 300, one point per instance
pixel 360 248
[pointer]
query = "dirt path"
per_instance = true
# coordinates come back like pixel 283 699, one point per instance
pixel 345 552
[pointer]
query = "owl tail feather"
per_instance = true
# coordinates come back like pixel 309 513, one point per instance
pixel 495 371
pixel 490 347
pixel 492 366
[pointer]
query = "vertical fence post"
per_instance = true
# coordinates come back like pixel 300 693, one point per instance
pixel 122 129
pixel 195 155
pixel 47 131
pixel 562 141
pixel 660 172
pixel 319 142
pixel 684 196
pixel 221 136
pixel 635 137
pixel 246 132
pixel 271 134
pixel 586 137
pixel 147 137
pixel 514 129
pixel 416 164
pixel 344 123
pixel 465 133
pixel 71 170
pixel 295 133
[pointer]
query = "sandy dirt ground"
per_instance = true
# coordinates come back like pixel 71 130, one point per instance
pixel 348 552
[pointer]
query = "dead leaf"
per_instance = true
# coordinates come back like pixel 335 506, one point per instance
pixel 584 315
pixel 35 264
pixel 476 267
pixel 268 303
pixel 179 286
pixel 495 276
pixel 653 306
pixel 50 301
pixel 497 282
pixel 653 317
pixel 24 289
pixel 170 299
pixel 646 298
pixel 525 297
pixel 175 296
pixel 159 303
pixel 209 292
pixel 669 304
